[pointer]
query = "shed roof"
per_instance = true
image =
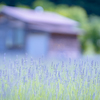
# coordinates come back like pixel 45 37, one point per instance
pixel 56 29
pixel 39 18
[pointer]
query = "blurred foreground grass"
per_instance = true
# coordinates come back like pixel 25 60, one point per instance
pixel 41 79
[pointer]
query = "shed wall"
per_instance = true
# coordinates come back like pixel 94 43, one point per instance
pixel 64 45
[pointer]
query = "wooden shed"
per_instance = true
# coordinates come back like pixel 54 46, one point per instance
pixel 38 33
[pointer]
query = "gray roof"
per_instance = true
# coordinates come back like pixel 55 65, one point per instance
pixel 48 21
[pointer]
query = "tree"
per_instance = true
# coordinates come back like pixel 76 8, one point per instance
pixel 47 6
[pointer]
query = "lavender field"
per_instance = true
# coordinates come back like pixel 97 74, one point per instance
pixel 43 79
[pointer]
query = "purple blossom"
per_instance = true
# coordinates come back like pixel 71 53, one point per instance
pixel 32 61
pixel 93 97
pixel 0 73
pixel 69 61
pixel 29 72
pixel 22 62
pixel 95 64
pixel 19 71
pixel 95 70
pixel 62 64
pixel 75 73
pixel 59 74
pixel 92 63
pixel 24 79
pixel 46 76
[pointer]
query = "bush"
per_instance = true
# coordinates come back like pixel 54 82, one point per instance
pixel 47 6
pixel 22 6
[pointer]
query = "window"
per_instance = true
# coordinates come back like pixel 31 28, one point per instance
pixel 19 37
pixel 9 39
pixel 15 38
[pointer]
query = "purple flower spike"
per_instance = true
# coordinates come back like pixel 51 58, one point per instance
pixel 75 73
pixel 24 79
pixel 32 62
pixel 29 72
pixel 8 79
pixel 0 73
pixel 59 74
pixel 4 58
pixel 22 62
pixel 47 74
pixel 92 63
pixel 69 61
pixel 2 87
pixel 62 64
pixel 19 71
pixel 95 64
pixel 93 97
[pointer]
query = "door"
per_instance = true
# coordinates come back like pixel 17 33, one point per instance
pixel 2 39
pixel 37 44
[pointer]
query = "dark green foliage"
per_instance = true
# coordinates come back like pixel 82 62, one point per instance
pixel 91 6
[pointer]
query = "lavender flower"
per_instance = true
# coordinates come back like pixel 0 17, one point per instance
pixel 24 79
pixel 93 97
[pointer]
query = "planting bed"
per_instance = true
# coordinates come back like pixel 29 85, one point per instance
pixel 30 79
